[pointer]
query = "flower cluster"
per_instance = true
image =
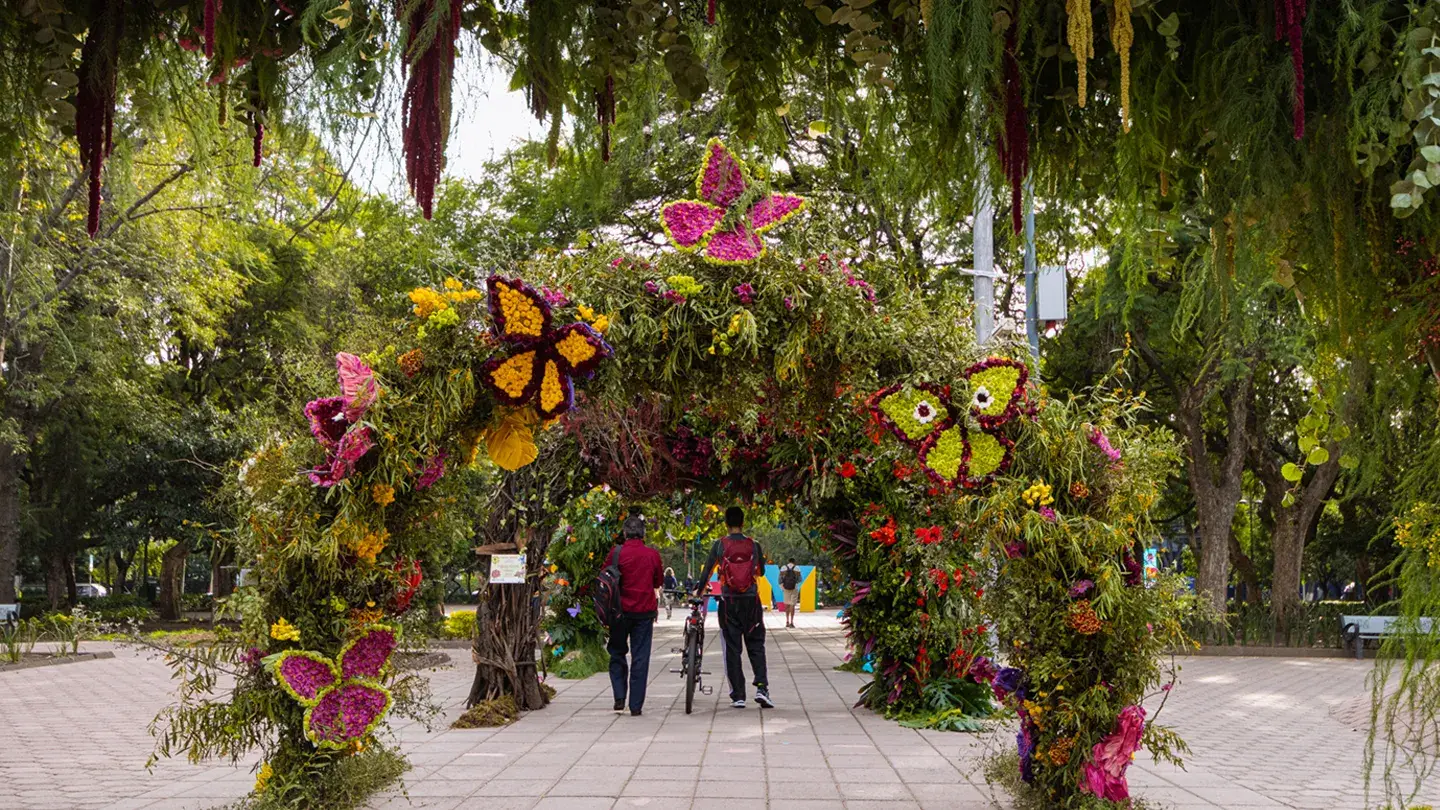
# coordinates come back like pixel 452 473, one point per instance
pixel 600 321
pixel 721 340
pixel 1079 490
pixel 519 313
pixel 853 280
pixel 412 362
pixel 427 302
pixel 1083 619
pixel 1104 774
pixel 368 546
pixel 334 421
pixel 1080 588
pixel 304 675
pixel 1038 494
pixel 684 285
pixel 848 470
pixel 745 293
pixel 434 470
pixel 885 535
pixel 382 494
pixel 283 630
pixel 262 778
pixel 929 536
pixel 367 655
pixel 1100 440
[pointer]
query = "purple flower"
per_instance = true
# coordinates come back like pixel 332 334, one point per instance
pixel 982 669
pixel 434 470
pixel 1025 742
pixel 1134 571
pixel 1102 441
pixel 573 610
pixel 1007 681
pixel 557 298
pixel 353 446
pixel 673 297
pixel 327 419
pixel 305 676
pixel 745 293
pixel 789 303
pixel 367 655
pixel 346 712
pixel 1081 588
pixel 652 288
pixel 1048 513
pixel 252 656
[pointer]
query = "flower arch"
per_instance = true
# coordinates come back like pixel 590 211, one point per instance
pixel 858 402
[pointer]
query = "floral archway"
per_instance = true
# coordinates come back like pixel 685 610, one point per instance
pixel 952 492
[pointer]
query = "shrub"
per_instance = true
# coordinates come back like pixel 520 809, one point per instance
pixel 460 624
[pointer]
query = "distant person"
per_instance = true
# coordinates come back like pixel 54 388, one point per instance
pixel 671 583
pixel 670 591
pixel 790 590
pixel 742 619
pixel 640 577
pixel 1349 593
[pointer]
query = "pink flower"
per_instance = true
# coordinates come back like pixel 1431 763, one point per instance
pixel 745 293
pixel 1048 513
pixel 434 470
pixel 700 224
pixel 353 446
pixel 1081 588
pixel 357 385
pixel 557 298
pixel 652 288
pixel 789 303
pixel 1104 774
pixel 327 420
pixel 1102 441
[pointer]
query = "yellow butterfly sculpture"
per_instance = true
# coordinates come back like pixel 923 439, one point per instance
pixel 957 447
pixel 542 367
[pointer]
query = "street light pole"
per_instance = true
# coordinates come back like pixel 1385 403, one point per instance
pixel 984 244
pixel 1032 303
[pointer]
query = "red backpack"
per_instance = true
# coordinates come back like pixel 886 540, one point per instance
pixel 737 564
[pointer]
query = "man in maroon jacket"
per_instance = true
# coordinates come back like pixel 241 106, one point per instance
pixel 640 576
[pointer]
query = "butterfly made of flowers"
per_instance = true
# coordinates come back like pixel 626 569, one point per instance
pixel 700 224
pixel 545 360
pixel 343 701
pixel 951 450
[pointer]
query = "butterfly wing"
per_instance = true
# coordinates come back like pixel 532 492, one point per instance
pixel 774 209
pixel 722 176
pixel 912 412
pixel 989 456
pixel 557 391
pixel 305 675
pixel 367 655
pixel 997 386
pixel 580 349
pixel 689 223
pixel 514 379
pixel 958 456
pixel 521 315
pixel 734 246
pixel 345 713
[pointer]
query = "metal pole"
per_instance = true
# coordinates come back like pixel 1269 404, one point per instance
pixel 1032 305
pixel 984 256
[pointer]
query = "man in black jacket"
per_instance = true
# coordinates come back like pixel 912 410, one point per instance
pixel 741 563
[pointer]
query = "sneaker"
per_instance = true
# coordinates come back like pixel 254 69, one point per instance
pixel 763 698
pixel 634 712
pixel 620 705
pixel 738 704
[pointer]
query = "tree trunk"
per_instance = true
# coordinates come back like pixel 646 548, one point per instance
pixel 172 581
pixel 57 584
pixel 222 571
pixel 507 629
pixel 122 570
pixel 1217 486
pixel 1246 568
pixel 1293 526
pixel 9 521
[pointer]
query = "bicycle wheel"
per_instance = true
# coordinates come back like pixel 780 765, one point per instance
pixel 692 669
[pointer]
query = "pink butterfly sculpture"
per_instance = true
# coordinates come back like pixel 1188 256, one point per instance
pixel 700 224
pixel 343 702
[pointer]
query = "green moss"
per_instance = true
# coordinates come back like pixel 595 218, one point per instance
pixel 500 711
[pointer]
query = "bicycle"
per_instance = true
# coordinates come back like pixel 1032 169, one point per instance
pixel 691 651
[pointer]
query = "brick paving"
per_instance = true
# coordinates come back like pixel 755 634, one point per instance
pixel 1264 733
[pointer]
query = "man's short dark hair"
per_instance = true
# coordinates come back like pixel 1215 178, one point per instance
pixel 634 526
pixel 792 560
pixel 735 517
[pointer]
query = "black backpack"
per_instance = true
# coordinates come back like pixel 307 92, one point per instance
pixel 607 590
pixel 789 578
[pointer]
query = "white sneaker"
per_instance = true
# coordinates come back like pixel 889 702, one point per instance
pixel 739 704
pixel 763 698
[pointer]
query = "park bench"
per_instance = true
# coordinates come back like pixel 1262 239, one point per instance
pixel 1357 629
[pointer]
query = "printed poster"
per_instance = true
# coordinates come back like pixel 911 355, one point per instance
pixel 507 569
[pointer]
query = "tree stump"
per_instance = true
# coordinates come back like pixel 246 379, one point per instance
pixel 507 632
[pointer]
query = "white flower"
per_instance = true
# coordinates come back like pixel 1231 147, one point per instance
pixel 982 398
pixel 924 412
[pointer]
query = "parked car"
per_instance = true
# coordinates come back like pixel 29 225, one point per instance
pixel 88 590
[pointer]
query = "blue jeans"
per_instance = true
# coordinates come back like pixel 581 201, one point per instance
pixel 635 633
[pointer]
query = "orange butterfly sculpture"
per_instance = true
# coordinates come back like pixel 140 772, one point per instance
pixel 545 360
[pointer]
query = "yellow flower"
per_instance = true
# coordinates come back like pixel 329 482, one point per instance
pixel 263 777
pixel 383 494
pixel 454 284
pixel 427 302
pixel 511 444
pixel 586 312
pixel 369 546
pixel 602 324
pixel 283 630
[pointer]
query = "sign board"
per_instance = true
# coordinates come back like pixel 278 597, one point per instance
pixel 1152 563
pixel 1051 294
pixel 507 569
pixel 9 613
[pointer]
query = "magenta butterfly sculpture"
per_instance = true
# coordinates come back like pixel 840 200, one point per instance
pixel 343 702
pixel 701 224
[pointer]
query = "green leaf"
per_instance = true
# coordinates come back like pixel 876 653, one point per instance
pixel 1348 462
pixel 1288 501
pixel 1169 26
pixel 818 129
pixel 1401 201
pixel 1318 456
pixel 1291 472
pixel 1307 443
pixel 824 14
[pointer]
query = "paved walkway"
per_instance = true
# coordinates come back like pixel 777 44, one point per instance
pixel 1265 733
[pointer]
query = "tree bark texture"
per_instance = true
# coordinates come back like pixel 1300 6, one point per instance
pixel 9 521
pixel 507 626
pixel 169 605
pixel 1245 567
pixel 1293 525
pixel 57 583
pixel 1216 483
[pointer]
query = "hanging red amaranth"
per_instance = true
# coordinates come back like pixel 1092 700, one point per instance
pixel 426 105
pixel 95 104
pixel 212 10
pixel 1289 15
pixel 710 12
pixel 605 114
pixel 258 128
pixel 1014 146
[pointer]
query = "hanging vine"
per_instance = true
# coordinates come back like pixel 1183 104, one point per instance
pixel 1122 35
pixel 1014 147
pixel 1080 35
pixel 430 63
pixel 95 102
pixel 1289 15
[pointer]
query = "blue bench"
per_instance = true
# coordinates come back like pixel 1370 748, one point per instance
pixel 1358 629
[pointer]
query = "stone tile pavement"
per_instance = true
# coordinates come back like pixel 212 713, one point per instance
pixel 1264 733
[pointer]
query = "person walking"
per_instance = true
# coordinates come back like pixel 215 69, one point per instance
pixel 640 579
pixel 741 563
pixel 790 590
pixel 668 591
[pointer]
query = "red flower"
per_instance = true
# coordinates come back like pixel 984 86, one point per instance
pixel 885 535
pixel 847 470
pixel 901 470
pixel 930 536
